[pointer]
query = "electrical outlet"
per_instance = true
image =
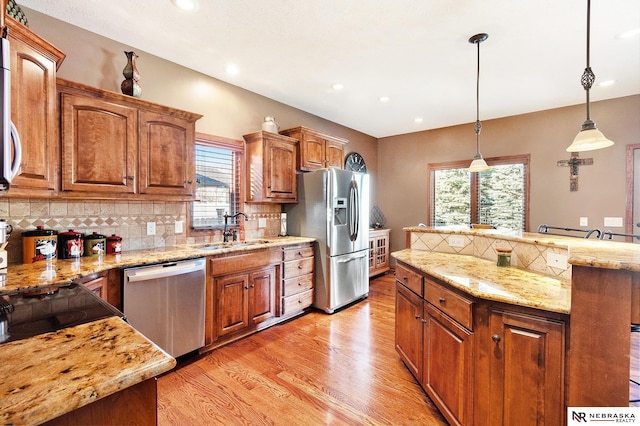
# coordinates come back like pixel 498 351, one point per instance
pixel 151 228
pixel 584 221
pixel 456 241
pixel 615 222
pixel 262 222
pixel 557 260
pixel 178 227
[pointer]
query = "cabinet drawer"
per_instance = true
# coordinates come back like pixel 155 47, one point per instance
pixel 296 285
pixel 294 268
pixel 409 278
pixel 452 304
pixel 297 253
pixel 297 302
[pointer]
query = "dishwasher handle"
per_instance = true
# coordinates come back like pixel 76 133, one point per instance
pixel 163 271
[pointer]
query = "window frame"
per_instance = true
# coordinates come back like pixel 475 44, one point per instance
pixel 523 159
pixel 226 143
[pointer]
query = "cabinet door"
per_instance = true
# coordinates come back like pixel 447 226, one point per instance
pixel 166 155
pixel 526 370
pixel 99 145
pixel 262 295
pixel 312 152
pixel 33 111
pixel 98 286
pixel 409 328
pixel 280 170
pixel 232 303
pixel 334 154
pixel 447 365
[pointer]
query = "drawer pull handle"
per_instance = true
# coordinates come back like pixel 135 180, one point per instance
pixel 441 300
pixel 495 338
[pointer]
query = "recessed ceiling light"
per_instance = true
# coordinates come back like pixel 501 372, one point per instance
pixel 606 83
pixel 337 86
pixel 188 5
pixel 418 120
pixel 232 69
pixel 631 33
pixel 383 99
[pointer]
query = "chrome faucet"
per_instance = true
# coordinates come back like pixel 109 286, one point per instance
pixel 227 233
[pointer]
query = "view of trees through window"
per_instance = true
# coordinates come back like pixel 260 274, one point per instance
pixel 496 197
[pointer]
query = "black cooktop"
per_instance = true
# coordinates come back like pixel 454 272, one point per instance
pixel 31 313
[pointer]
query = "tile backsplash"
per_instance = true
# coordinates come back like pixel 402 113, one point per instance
pixel 128 219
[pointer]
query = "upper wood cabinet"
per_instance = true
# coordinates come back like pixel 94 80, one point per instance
pixel 117 146
pixel 317 150
pixel 33 110
pixel 271 167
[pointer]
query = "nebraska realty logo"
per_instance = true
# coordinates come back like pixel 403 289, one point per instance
pixel 583 415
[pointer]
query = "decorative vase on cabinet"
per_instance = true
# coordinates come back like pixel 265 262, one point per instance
pixel 130 85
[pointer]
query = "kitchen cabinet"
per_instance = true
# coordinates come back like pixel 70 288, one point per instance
pixel 409 328
pixel 271 168
pixel 297 286
pixel 526 370
pixel 480 362
pixel 33 110
pixel 317 150
pixel 114 146
pixel 378 251
pixel 244 299
pixel 240 294
pixel 448 352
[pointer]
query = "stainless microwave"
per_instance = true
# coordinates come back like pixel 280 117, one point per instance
pixel 10 148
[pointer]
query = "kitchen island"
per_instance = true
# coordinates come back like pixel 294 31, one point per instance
pixel 527 341
pixel 105 368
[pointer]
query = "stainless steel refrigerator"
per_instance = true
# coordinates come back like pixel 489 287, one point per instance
pixel 333 207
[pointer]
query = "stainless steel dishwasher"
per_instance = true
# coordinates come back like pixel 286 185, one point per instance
pixel 166 303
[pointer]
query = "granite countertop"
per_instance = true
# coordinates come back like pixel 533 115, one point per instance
pixel 63 271
pixel 582 252
pixel 483 279
pixel 54 373
pixel 51 374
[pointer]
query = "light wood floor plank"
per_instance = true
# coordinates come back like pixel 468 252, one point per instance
pixel 320 369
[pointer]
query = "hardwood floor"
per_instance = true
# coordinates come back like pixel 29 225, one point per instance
pixel 320 369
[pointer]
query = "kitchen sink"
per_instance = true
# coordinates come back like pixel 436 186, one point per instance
pixel 232 244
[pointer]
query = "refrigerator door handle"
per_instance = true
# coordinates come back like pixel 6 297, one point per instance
pixel 354 212
pixel 352 258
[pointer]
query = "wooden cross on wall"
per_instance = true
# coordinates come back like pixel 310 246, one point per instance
pixel 574 163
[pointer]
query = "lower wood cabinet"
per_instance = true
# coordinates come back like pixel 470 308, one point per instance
pixel 253 290
pixel 480 362
pixel 378 251
pixel 245 299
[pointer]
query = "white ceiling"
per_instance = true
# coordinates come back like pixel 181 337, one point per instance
pixel 416 52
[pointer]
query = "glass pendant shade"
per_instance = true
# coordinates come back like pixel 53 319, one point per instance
pixel 589 139
pixel 478 164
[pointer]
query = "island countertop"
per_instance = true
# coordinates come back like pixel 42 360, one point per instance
pixel 582 252
pixel 483 279
pixel 49 375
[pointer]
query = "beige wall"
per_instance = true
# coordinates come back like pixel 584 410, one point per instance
pixel 545 135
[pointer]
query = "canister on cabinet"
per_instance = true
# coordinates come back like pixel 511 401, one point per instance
pixel 39 244
pixel 114 244
pixel 70 245
pixel 94 244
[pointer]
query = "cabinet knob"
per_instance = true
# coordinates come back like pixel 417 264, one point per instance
pixel 300 283
pixel 424 320
pixel 405 278
pixel 130 177
pixel 299 266
pixel 495 338
pixel 189 181
pixel 417 316
pixel 441 300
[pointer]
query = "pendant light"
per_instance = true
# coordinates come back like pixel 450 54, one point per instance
pixel 478 164
pixel 589 137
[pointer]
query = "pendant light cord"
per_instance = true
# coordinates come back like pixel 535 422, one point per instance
pixel 478 125
pixel 588 77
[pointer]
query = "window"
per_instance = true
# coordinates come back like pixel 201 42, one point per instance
pixel 498 197
pixel 218 184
